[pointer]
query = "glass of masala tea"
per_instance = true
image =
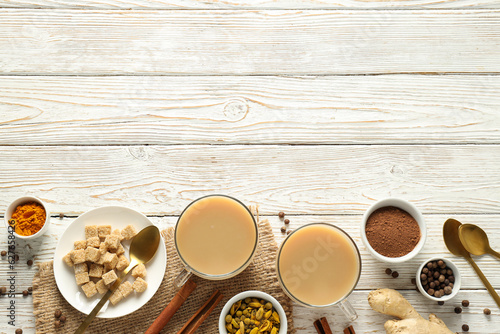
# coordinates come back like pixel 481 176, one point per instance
pixel 216 237
pixel 319 265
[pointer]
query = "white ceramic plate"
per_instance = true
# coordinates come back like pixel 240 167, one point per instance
pixel 117 217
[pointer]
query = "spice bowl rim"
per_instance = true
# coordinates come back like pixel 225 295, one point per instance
pixel 456 285
pixel 255 294
pixel 20 200
pixel 403 205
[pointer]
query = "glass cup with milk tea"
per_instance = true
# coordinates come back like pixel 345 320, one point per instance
pixel 216 237
pixel 319 265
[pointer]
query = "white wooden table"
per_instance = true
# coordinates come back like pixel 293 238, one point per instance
pixel 315 108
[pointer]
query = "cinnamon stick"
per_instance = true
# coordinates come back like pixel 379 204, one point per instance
pixel 202 313
pixel 322 326
pixel 349 330
pixel 171 308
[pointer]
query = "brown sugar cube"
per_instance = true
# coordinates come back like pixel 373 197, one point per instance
pixel 129 232
pixel 80 244
pixel 126 288
pixel 92 254
pixel 101 287
pixel 118 233
pixel 81 268
pixel 139 285
pixel 112 242
pixel 116 297
pixel 89 289
pixel 82 278
pixel 96 270
pixel 67 259
pixel 110 260
pixel 120 250
pixel 139 271
pixel 123 263
pixel 103 230
pixel 109 277
pixel 102 248
pixel 91 231
pixel 78 256
pixel 93 242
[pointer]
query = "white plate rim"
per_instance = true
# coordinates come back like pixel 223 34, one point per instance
pixel 59 264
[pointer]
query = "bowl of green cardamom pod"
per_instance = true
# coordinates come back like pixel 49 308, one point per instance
pixel 253 312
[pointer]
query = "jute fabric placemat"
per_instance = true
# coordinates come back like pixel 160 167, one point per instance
pixel 260 275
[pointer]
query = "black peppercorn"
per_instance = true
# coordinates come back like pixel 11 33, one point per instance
pixel 287 221
pixel 465 303
pixel 61 215
pixel 487 311
pixel 395 274
pixel 57 313
pixel 440 302
pixel 465 328
pixel 19 331
pixel 4 253
pixel 283 229
pixel 57 323
pixel 458 310
pixel 388 271
pixel 25 293
pixel 30 263
pixel 62 319
pixel 281 214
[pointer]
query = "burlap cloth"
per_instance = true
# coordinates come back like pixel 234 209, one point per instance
pixel 260 275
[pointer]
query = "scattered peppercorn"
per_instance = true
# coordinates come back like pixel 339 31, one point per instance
pixel 25 293
pixel 388 271
pixel 395 274
pixel 30 289
pixel 283 229
pixel 57 313
pixel 465 328
pixel 62 319
pixel 57 323
pixel 16 257
pixel 413 281
pixel 287 221
pixel 440 302
pixel 61 215
pixel 4 253
pixel 458 310
pixel 281 214
pixel 289 231
pixel 465 303
pixel 19 331
pixel 487 311
pixel 30 263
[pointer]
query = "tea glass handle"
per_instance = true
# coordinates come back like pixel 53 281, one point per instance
pixel 348 310
pixel 182 278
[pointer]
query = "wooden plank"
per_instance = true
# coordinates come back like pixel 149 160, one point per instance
pixel 373 274
pixel 164 179
pixel 369 321
pixel 248 42
pixel 121 110
pixel 248 4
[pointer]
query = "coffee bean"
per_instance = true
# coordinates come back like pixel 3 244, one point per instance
pixel 440 302
pixel 465 328
pixel 465 303
pixel 4 253
pixel 487 311
pixel 30 263
pixel 287 221
pixel 458 310
pixel 395 274
pixel 57 313
pixel 388 271
pixel 62 319
pixel 281 214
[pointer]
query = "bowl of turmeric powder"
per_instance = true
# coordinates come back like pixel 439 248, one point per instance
pixel 27 217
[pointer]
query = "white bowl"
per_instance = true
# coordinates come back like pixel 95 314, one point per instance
pixel 403 205
pixel 253 294
pixel 456 284
pixel 21 200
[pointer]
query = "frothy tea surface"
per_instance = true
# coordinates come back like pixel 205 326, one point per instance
pixel 318 265
pixel 216 235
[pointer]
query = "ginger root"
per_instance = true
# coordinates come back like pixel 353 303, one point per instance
pixel 391 302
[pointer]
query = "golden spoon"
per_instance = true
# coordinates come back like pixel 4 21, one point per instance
pixel 142 250
pixel 452 241
pixel 475 240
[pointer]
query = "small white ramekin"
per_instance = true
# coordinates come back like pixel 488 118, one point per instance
pixel 403 205
pixel 253 294
pixel 456 284
pixel 21 200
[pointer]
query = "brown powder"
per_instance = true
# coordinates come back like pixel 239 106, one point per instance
pixel 392 232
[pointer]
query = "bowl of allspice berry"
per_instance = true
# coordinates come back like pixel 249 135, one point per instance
pixel 27 218
pixel 253 312
pixel 438 279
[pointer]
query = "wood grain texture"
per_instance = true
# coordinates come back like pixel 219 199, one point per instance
pixel 385 109
pixel 248 42
pixel 248 4
pixel 297 179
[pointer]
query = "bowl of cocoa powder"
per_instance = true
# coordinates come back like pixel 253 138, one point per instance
pixel 393 230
